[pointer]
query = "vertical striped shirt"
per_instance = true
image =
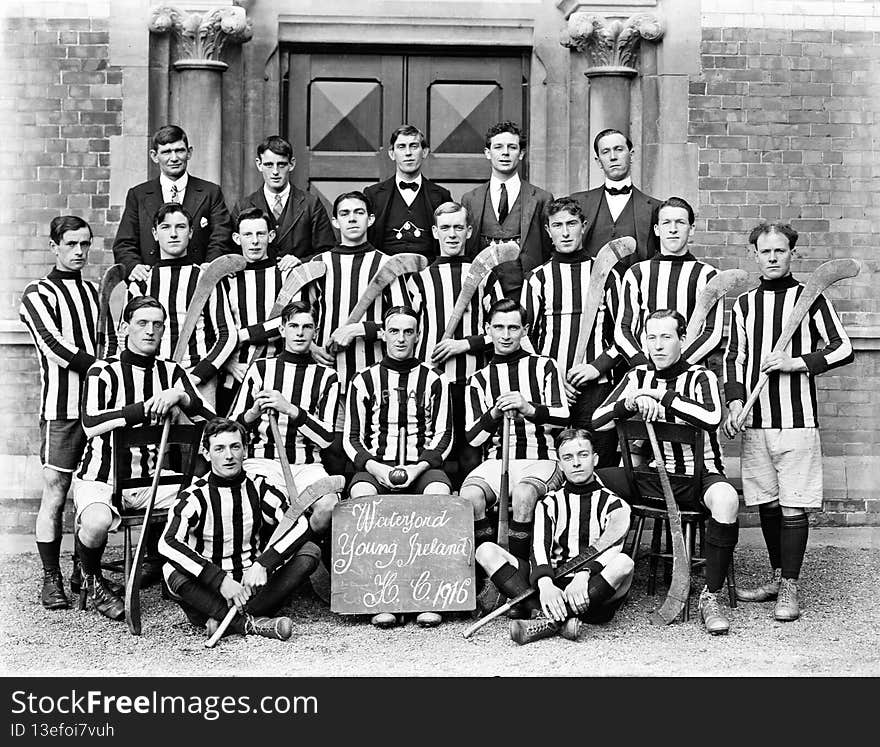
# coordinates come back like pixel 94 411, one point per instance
pixel 554 296
pixel 665 282
pixel 433 293
pixel 314 389
pixel 349 271
pixel 394 394
pixel 693 396
pixel 213 530
pixel 538 379
pixel 172 282
pixel 758 316
pixel 114 396
pixel 61 313
pixel 571 520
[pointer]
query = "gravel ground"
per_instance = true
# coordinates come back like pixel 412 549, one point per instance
pixel 838 634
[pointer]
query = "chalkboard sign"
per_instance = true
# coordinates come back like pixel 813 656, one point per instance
pixel 402 553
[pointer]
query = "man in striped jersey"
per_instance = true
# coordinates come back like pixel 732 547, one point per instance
pixel 524 392
pixel 581 516
pixel 670 389
pixel 212 537
pixel 132 389
pixel 172 281
pixel 303 394
pixel 350 267
pixel 60 311
pixel 781 451
pixel 670 280
pixel 554 296
pixel 433 293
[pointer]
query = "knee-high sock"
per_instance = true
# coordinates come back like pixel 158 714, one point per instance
pixel 720 541
pixel 269 599
pixel 519 537
pixel 795 530
pixel 599 590
pixel 482 531
pixel 512 581
pixel 207 602
pixel 90 557
pixel 771 528
pixel 50 553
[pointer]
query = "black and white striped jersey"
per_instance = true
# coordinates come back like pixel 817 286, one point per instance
pixel 538 379
pixel 571 520
pixel 114 396
pixel 313 388
pixel 758 316
pixel 665 282
pixel 61 313
pixel 433 293
pixel 394 394
pixel 693 396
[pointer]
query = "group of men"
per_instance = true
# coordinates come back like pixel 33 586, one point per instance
pixel 395 405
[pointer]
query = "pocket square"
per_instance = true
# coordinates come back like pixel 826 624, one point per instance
pixel 204 222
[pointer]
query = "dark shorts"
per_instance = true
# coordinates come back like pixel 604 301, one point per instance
pixel 423 480
pixel 62 443
pixel 614 478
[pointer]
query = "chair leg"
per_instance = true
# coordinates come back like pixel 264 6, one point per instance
pixel 731 584
pixel 655 559
pixel 689 546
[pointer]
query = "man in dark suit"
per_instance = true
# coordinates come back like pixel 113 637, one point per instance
pixel 302 228
pixel 617 208
pixel 506 208
pixel 134 245
pixel 404 205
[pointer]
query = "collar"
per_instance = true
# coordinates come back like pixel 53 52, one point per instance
pixel 399 178
pixel 225 482
pixel 174 262
pixel 451 260
pixel 591 486
pixel 626 182
pixel 56 274
pixel 270 195
pixel 572 258
pixel 359 249
pixel 130 358
pixel 686 257
pixel 408 365
pixel 674 371
pixel 297 358
pixel 499 359
pixel 262 264
pixel 181 183
pixel 783 283
pixel 513 183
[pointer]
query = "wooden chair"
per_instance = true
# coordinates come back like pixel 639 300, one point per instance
pixel 654 506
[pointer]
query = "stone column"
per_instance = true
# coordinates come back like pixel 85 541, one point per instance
pixel 613 47
pixel 196 100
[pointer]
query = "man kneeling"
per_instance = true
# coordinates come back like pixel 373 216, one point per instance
pixel 580 517
pixel 207 576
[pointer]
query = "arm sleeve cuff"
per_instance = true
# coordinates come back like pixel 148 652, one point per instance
pixel 667 398
pixel 639 359
pixel 476 343
pixel 134 414
pixel 487 422
pixel 542 414
pixel 594 567
pixel 620 411
pixel 269 559
pixel 432 457
pixel 300 418
pixel 212 576
pixel 540 571
pixel 81 361
pixel 604 363
pixel 204 371
pixel 815 362
pixel 734 390
pixel 371 331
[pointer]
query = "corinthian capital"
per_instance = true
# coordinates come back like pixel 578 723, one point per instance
pixel 202 36
pixel 610 43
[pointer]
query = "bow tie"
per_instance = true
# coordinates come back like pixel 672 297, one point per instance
pixel 414 186
pixel 624 190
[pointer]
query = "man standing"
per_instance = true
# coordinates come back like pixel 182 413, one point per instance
pixel 507 208
pixel 781 451
pixel 60 311
pixel 405 203
pixel 300 223
pixel 617 208
pixel 211 540
pixel 135 246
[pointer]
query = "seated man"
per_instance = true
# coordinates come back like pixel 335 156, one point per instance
pixel 134 389
pixel 669 389
pixel 580 517
pixel 211 542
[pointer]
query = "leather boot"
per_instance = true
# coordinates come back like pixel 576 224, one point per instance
pixel 526 631
pixel 489 599
pixel 279 628
pixel 53 596
pixel 787 608
pixel 571 628
pixel 236 627
pixel 102 599
pixel 76 579
pixel 710 613
pixel 764 593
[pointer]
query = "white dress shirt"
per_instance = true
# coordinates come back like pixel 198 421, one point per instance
pixel 616 203
pixel 513 186
pixel 408 195
pixel 270 197
pixel 166 183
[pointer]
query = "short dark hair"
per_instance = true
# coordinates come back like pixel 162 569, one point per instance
pixel 168 134
pixel 169 208
pixel 447 208
pixel 61 224
pixel 784 228
pixel 252 213
pixel 573 434
pixel 504 306
pixel 355 195
pixel 410 131
pixel 297 307
pixel 677 202
pixel 560 204
pixel 680 321
pixel 506 126
pixel 142 302
pixel 407 310
pixel 223 425
pixel 278 145
pixel 606 133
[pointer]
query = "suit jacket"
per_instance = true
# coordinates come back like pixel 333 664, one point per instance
pixel 380 196
pixel 644 213
pixel 535 243
pixel 304 230
pixel 212 230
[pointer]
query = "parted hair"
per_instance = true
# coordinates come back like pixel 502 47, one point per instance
pixel 355 195
pixel 677 202
pixel 784 228
pixel 141 302
pixel 223 425
pixel 252 213
pixel 573 434
pixel 410 131
pixel 680 321
pixel 168 134
pixel 447 208
pixel 169 208
pixel 606 133
pixel 278 145
pixel 297 307
pixel 505 305
pixel 407 310
pixel 559 204
pixel 61 224
pixel 506 126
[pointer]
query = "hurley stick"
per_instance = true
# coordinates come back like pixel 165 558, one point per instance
pixel 113 276
pixel 504 498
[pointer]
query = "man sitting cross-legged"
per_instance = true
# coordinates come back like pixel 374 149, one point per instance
pixel 212 537
pixel 580 517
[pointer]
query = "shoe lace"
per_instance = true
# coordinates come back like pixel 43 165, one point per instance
pixel 250 626
pixel 709 603
pixel 786 591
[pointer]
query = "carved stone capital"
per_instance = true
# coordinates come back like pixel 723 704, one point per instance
pixel 613 45
pixel 202 36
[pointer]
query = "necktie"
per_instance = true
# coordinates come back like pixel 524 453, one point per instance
pixel 503 207
pixel 175 192
pixel 408 185
pixel 625 190
pixel 277 208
